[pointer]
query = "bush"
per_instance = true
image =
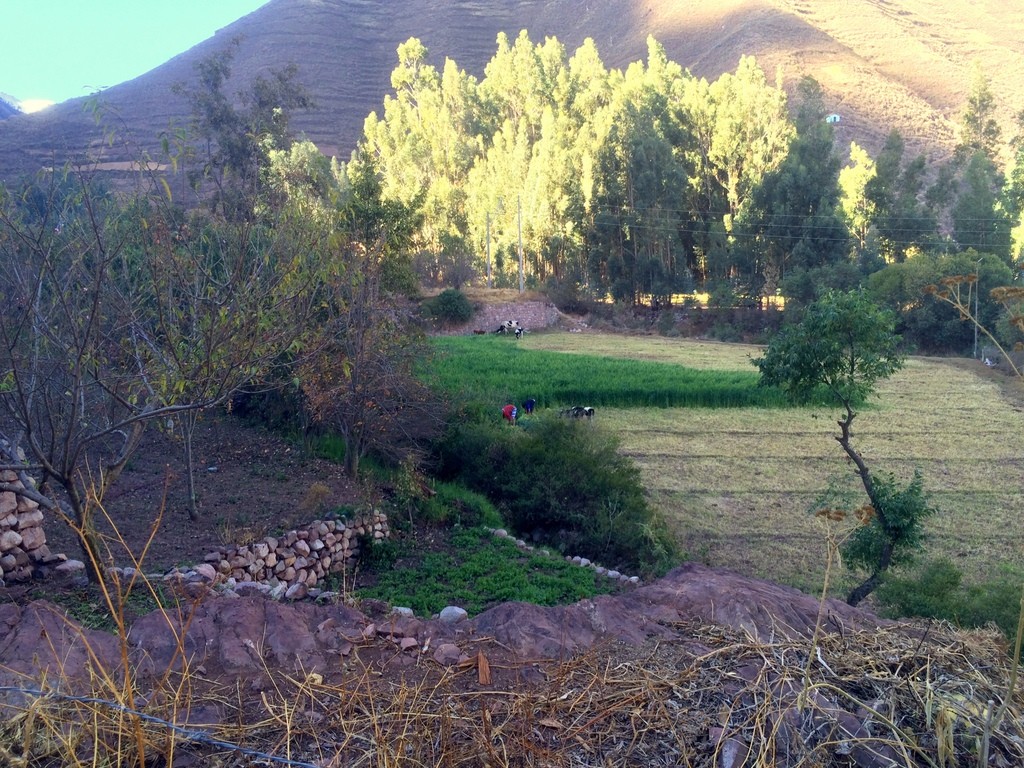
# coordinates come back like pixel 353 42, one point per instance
pixel 564 483
pixel 936 591
pixel 450 307
pixel 569 296
pixel 453 504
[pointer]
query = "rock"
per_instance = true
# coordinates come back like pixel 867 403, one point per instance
pixel 277 591
pixel 403 611
pixel 296 592
pixel 9 540
pixel 408 643
pixel 447 654
pixel 247 588
pixel 69 567
pixel 30 519
pixel 206 571
pixel 8 503
pixel 452 614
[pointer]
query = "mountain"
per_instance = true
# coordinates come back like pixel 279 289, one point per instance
pixel 8 106
pixel 884 64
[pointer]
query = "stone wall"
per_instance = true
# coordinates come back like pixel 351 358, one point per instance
pixel 22 540
pixel 303 556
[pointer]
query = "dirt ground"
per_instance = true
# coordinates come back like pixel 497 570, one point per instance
pixel 249 481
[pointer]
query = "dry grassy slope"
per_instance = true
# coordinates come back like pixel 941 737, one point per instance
pixel 884 64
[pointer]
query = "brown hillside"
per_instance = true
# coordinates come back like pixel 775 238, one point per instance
pixel 884 65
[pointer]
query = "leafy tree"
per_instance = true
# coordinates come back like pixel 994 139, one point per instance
pixel 979 221
pixel 425 143
pixel 904 224
pixel 793 226
pixel 358 375
pixel 634 244
pixel 922 320
pixel 979 129
pixel 237 138
pixel 842 346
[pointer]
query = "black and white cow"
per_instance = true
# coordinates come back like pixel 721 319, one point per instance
pixel 511 326
pixel 578 412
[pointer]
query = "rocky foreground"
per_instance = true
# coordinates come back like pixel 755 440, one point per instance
pixel 702 667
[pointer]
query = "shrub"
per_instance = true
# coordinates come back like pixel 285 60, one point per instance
pixel 569 296
pixel 454 504
pixel 450 307
pixel 936 591
pixel 564 483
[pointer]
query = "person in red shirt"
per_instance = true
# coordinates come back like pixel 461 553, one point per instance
pixel 509 413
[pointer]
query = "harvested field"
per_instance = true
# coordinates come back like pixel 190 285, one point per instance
pixel 739 485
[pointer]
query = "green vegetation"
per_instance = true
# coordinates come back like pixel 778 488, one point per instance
pixel 843 346
pixel 737 487
pixel 491 368
pixel 937 590
pixel 450 306
pixel 455 505
pixel 566 484
pixel 483 571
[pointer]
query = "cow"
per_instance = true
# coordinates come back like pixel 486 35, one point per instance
pixel 510 326
pixel 578 412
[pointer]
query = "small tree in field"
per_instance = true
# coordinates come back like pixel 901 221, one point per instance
pixel 845 345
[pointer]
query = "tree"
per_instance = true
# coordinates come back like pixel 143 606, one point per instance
pixel 904 224
pixel 842 347
pixel 979 129
pixel 979 221
pixel 792 227
pixel 77 397
pixel 237 138
pixel 359 376
pixel 922 321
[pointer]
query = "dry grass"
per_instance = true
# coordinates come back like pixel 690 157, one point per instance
pixel 738 485
pixel 927 698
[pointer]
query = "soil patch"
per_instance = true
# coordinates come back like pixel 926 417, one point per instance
pixel 249 482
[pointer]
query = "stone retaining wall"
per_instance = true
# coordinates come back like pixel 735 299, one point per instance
pixel 22 540
pixel 303 556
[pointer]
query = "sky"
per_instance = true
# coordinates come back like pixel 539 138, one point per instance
pixel 53 50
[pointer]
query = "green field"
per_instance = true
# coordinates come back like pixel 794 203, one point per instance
pixel 737 484
pixel 498 368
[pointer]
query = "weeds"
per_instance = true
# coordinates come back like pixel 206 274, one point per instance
pixel 480 571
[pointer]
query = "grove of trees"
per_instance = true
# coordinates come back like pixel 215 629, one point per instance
pixel 645 184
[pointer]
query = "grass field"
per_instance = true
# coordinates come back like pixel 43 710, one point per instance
pixel 738 484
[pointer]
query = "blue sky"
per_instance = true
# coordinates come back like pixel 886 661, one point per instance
pixel 53 50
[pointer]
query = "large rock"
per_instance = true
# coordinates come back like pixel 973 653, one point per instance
pixel 247 639
pixel 38 642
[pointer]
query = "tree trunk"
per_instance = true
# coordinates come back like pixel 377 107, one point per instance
pixel 870 584
pixel 88 538
pixel 188 428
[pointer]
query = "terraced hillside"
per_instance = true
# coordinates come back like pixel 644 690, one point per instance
pixel 884 65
